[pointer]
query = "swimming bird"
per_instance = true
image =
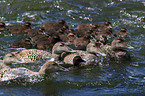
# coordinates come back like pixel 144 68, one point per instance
pixel 54 26
pixel 59 48
pixel 122 33
pixel 116 50
pixel 26 43
pixel 72 60
pixel 39 31
pixel 106 25
pixel 20 28
pixel 30 55
pixel 90 56
pixel 46 43
pixel 8 73
pixel 84 29
pixel 25 56
pixel 82 42
pixel 70 37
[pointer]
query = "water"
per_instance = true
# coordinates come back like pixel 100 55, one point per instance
pixel 121 79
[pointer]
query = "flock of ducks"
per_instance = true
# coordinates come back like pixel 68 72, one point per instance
pixel 70 48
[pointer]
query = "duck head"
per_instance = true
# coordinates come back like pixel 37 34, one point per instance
pixel 107 23
pixel 71 37
pixel 123 30
pixel 102 39
pixel 62 22
pixel 11 58
pixel 60 47
pixel 120 44
pixel 50 67
pixel 27 24
pixel 94 47
pixel 41 30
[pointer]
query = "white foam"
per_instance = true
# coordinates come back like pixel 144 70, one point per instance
pixel 29 15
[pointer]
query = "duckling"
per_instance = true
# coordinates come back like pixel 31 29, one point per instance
pixel 26 43
pixel 106 25
pixel 62 34
pixel 67 37
pixel 71 37
pixel 106 35
pixel 70 31
pixel 81 43
pixel 116 50
pixel 122 33
pixel 54 26
pixel 46 43
pixel 84 29
pixel 38 37
pixel 21 28
pixel 102 39
pixel 83 33
pixel 33 33
pixel 25 56
pixel 2 26
pixel 8 73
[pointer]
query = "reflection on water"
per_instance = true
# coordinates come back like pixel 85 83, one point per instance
pixel 112 78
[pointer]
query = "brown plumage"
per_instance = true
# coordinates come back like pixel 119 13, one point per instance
pixel 81 43
pixel 33 33
pixel 20 28
pixel 26 43
pixel 116 50
pixel 84 29
pixel 54 26
pixel 46 43
pixel 122 33
pixel 106 25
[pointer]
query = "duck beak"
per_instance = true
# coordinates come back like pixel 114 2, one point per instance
pixel 103 54
pixel 68 43
pixel 72 51
pixel 51 59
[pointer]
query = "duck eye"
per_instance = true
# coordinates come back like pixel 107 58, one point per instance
pixel 72 36
pixel 94 46
pixel 17 52
pixel 119 41
pixel 11 56
pixel 61 45
pixel 54 64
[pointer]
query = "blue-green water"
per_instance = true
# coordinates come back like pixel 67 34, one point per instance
pixel 121 79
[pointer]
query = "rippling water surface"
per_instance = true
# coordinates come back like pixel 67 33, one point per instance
pixel 125 79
